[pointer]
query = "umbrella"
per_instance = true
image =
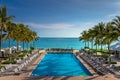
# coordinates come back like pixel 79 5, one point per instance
pixel 2 50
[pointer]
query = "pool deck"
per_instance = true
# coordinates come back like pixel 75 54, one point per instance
pixel 26 74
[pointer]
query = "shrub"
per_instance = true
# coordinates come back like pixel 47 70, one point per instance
pixel 25 51
pixel 21 55
pixel 105 56
pixel 111 62
pixel 98 55
pixel 8 62
pixel 2 67
pixel 86 47
pixel 32 48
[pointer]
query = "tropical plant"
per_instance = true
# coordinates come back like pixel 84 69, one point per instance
pixel 116 23
pixel 83 37
pixel 110 35
pixel 4 20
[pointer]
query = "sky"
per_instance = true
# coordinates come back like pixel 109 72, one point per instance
pixel 61 18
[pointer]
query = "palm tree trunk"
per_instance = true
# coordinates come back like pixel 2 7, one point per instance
pixel 96 50
pixel 9 49
pixel 1 41
pixel 101 47
pixel 88 44
pixel 109 49
pixel 17 45
pixel 27 46
pixel 9 44
pixel 85 43
pixel 109 52
pixel 101 44
pixel 92 44
pixel 23 45
pixel 34 44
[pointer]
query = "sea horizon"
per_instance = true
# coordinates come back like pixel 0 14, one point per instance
pixel 58 37
pixel 51 42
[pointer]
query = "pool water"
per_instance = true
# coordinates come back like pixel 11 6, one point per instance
pixel 60 64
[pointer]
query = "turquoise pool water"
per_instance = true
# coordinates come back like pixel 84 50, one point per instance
pixel 60 64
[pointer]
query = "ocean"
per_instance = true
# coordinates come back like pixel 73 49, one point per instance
pixel 66 43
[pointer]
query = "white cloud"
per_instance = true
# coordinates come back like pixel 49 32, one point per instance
pixel 49 26
pixel 113 15
pixel 61 29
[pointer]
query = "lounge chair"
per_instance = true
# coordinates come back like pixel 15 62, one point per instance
pixel 111 68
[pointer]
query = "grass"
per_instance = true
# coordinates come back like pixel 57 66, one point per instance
pixel 10 62
pixel 103 50
pixel 111 62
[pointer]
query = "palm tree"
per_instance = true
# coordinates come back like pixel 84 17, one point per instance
pixel 95 32
pixel 83 37
pixel 110 35
pixel 24 35
pixel 3 22
pixel 10 32
pixel 100 34
pixel 9 35
pixel 91 37
pixel 34 37
pixel 17 35
pixel 116 23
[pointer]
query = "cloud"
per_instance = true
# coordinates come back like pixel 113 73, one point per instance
pixel 111 16
pixel 61 29
pixel 50 26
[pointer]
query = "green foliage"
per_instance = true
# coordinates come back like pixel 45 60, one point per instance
pixel 2 67
pixel 21 55
pixel 105 56
pixel 117 67
pixel 111 62
pixel 9 62
pixel 86 47
pixel 32 48
pixel 99 50
pixel 24 51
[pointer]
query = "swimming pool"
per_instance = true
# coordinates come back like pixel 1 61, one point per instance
pixel 60 64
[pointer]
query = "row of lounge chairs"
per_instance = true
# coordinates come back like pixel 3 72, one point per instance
pixel 59 50
pixel 94 63
pixel 20 67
